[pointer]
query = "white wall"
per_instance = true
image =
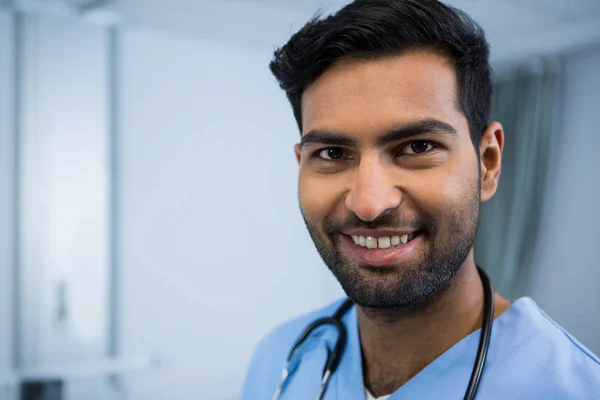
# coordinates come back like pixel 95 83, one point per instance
pixel 565 281
pixel 64 190
pixel 537 27
pixel 213 249
pixel 6 192
pixel 64 197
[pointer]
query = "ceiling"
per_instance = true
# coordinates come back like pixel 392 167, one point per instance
pixel 516 29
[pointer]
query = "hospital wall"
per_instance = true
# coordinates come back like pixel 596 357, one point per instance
pixel 567 269
pixel 6 193
pixel 213 250
pixel 61 160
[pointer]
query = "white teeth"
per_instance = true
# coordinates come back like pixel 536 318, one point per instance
pixel 371 243
pixel 384 242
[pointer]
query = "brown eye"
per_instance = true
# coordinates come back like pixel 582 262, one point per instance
pixel 418 147
pixel 331 153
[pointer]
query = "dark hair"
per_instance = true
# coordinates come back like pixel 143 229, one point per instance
pixel 368 29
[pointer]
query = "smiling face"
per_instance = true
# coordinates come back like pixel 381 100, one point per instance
pixel 389 183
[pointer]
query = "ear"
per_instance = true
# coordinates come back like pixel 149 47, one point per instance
pixel 490 151
pixel 298 152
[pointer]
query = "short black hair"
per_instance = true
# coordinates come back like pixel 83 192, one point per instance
pixel 366 29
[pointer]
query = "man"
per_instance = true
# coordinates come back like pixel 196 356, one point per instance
pixel 396 154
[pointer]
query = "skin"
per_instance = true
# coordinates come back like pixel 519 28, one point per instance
pixel 361 101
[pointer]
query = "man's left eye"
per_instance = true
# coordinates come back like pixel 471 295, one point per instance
pixel 418 147
pixel 331 153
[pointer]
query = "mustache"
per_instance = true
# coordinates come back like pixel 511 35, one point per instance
pixel 386 220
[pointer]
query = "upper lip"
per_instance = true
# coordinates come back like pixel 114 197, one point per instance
pixel 378 232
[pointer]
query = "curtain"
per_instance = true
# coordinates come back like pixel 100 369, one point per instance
pixel 526 103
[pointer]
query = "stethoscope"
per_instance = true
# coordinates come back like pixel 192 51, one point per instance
pixel 334 357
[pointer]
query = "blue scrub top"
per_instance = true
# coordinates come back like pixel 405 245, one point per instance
pixel 530 357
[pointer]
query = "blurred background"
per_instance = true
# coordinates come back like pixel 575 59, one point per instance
pixel 149 227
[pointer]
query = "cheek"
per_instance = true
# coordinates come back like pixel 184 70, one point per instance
pixel 318 196
pixel 446 189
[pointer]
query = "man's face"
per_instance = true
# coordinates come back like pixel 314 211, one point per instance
pixel 389 178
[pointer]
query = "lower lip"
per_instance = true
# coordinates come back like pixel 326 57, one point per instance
pixel 380 257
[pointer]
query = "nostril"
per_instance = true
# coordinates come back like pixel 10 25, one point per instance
pixel 369 203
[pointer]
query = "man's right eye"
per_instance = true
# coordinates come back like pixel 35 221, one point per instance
pixel 331 153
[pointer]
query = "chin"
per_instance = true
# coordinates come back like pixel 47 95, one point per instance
pixel 393 287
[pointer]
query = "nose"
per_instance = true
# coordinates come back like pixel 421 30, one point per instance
pixel 372 192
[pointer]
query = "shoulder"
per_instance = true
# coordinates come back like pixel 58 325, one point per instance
pixel 277 344
pixel 547 335
pixel 270 354
pixel 549 360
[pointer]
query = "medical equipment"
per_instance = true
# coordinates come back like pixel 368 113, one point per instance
pixel 334 357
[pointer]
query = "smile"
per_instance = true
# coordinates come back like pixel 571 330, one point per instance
pixel 381 247
pixel 382 242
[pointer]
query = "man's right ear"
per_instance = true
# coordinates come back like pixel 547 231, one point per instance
pixel 298 151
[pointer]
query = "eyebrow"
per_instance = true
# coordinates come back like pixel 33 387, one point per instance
pixel 404 131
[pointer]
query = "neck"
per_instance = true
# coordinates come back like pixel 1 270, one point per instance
pixel 396 345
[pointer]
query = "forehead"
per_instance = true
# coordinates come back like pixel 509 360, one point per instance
pixel 372 95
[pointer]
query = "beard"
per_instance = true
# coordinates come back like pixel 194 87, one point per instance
pixel 446 244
